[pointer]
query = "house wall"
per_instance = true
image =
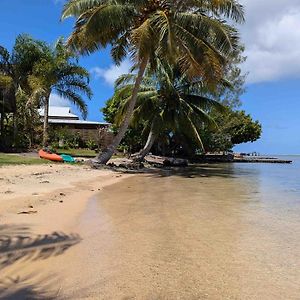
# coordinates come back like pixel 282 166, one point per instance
pixel 100 135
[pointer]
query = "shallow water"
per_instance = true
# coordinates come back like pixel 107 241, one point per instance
pixel 227 231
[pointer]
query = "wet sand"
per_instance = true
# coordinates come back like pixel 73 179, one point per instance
pixel 195 235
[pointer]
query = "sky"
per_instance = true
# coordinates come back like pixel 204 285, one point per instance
pixel 271 36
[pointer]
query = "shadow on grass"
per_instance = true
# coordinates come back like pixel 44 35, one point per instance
pixel 17 244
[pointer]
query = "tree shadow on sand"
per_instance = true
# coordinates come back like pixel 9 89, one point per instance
pixel 29 287
pixel 18 244
pixel 225 170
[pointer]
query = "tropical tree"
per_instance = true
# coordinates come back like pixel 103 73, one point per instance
pixel 234 127
pixel 7 102
pixel 15 68
pixel 190 33
pixel 60 73
pixel 166 103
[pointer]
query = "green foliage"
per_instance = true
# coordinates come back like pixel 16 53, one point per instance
pixel 27 52
pixel 242 128
pixel 18 115
pixel 194 34
pixel 229 94
pixel 67 139
pixel 59 72
pixel 134 138
pixel 234 127
pixel 167 102
pixel 91 144
pixel 27 77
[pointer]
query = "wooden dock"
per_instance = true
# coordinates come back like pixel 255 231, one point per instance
pixel 262 160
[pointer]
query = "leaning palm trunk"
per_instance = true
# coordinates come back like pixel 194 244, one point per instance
pixel 148 146
pixel 15 125
pixel 46 121
pixel 105 156
pixel 2 127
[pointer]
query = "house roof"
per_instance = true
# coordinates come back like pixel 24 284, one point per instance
pixel 59 112
pixel 76 122
pixel 64 116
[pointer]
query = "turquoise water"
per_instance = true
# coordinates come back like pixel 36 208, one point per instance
pixel 273 188
pixel 211 231
pixel 274 179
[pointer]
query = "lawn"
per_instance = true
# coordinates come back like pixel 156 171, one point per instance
pixel 78 152
pixel 15 159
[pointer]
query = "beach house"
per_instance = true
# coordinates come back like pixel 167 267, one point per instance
pixel 88 130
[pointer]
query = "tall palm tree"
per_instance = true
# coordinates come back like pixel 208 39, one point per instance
pixel 7 101
pixel 166 102
pixel 7 88
pixel 189 32
pixel 59 73
pixel 15 69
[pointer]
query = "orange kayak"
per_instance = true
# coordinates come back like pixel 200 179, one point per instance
pixel 50 156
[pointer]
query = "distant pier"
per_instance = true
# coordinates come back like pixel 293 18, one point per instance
pixel 238 158
pixel 262 160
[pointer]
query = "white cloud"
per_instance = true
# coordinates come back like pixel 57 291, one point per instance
pixel 56 100
pixel 112 73
pixel 272 38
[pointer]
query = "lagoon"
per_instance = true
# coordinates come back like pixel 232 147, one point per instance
pixel 224 231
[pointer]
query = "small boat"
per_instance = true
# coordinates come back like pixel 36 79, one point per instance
pixel 68 158
pixel 50 156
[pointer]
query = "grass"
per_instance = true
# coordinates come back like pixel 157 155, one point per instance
pixel 78 152
pixel 15 159
pixel 86 153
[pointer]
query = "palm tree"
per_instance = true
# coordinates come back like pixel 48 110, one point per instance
pixel 15 69
pixel 7 102
pixel 188 32
pixel 166 102
pixel 7 88
pixel 61 74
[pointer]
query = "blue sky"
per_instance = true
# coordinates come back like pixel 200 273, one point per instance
pixel 272 42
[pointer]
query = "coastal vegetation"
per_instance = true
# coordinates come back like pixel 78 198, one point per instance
pixel 28 75
pixel 223 124
pixel 167 104
pixel 193 34
pixel 181 97
pixel 59 72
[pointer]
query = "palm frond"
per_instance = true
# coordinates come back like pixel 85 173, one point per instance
pixel 75 98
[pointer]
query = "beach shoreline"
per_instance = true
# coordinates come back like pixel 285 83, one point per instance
pixel 40 206
pixel 209 232
pixel 37 194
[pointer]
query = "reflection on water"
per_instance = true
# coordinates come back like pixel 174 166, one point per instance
pixel 209 232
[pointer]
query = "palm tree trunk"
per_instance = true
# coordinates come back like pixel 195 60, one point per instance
pixel 46 121
pixel 148 146
pixel 2 128
pixel 15 128
pixel 105 156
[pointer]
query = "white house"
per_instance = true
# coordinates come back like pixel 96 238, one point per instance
pixel 63 117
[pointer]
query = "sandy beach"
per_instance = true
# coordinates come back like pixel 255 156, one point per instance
pixel 76 233
pixel 38 190
pixel 39 208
